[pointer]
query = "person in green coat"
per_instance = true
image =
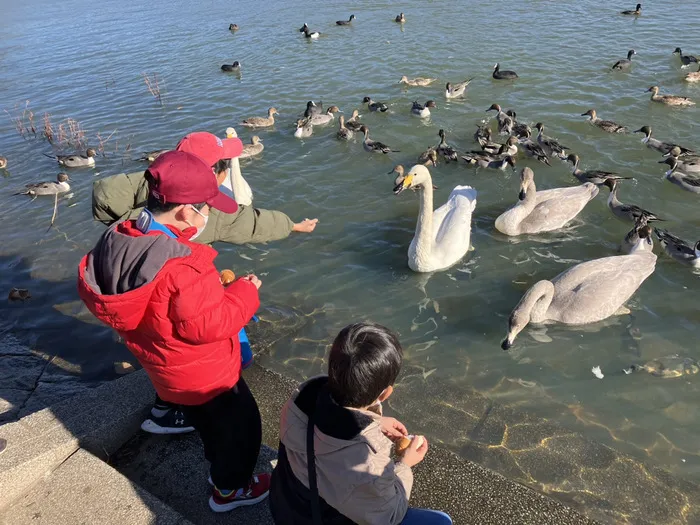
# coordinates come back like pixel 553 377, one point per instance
pixel 123 196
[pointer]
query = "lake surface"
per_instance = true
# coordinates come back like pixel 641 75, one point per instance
pixel 86 60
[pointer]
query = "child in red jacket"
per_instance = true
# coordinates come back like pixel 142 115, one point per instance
pixel 162 293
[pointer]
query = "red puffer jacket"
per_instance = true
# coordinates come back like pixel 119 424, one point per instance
pixel 164 297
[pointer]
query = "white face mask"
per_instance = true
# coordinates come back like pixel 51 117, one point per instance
pixel 199 230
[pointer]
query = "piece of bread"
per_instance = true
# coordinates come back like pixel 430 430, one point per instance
pixel 405 442
pixel 227 277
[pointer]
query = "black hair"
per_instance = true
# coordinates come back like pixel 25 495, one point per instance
pixel 222 165
pixel 364 360
pixel 156 207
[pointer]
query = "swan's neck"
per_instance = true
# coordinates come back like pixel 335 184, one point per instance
pixel 530 197
pixel 536 302
pixel 424 226
pixel 239 186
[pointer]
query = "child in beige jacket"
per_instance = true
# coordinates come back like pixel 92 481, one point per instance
pixel 337 420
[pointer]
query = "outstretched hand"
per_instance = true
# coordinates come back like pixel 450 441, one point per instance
pixel 393 428
pixel 305 226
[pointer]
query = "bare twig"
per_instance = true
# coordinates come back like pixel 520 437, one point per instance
pixel 153 86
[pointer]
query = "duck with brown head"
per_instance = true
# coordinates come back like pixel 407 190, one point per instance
pixel 626 212
pixel 605 125
pixel 669 100
pixel 682 251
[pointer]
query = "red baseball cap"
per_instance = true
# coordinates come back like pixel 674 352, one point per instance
pixel 183 178
pixel 210 148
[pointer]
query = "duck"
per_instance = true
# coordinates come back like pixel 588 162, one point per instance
pixel 534 150
pixel 400 18
pixel 313 109
pixel 483 134
pixel 3 162
pixel 345 22
pixel 494 148
pixel 504 120
pixel 625 63
pixel 669 100
pixel 640 231
pixel 344 133
pixel 662 147
pixel 375 106
pixel 499 162
pixel 626 212
pixel 374 146
pixel 513 127
pixel 687 163
pixel 313 35
pixel 232 68
pixel 353 123
pixel 596 177
pixel 510 147
pixel 458 89
pixel 586 293
pixel 543 211
pixel 416 82
pixel 151 156
pixel 422 110
pixel 76 161
pixel 678 249
pixel 444 149
pixel 605 125
pixel 429 156
pixel 233 27
pixel 693 77
pixel 235 183
pixel 304 128
pixel 686 60
pixel 261 122
pixel 674 175
pixel 550 146
pixel 503 75
pixel 325 118
pixel 255 147
pixel 443 236
pixel 60 185
pixel 637 11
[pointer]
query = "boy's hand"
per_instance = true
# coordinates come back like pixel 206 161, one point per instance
pixel 253 279
pixel 393 429
pixel 414 453
pixel 305 226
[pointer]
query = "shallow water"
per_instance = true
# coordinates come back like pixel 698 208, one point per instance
pixel 85 61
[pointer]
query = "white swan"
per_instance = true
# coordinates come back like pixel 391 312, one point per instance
pixel 543 211
pixel 587 293
pixel 235 182
pixel 442 236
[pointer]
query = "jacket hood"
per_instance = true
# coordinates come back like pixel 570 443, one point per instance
pixel 337 427
pixel 117 278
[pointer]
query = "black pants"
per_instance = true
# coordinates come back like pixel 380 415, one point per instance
pixel 231 431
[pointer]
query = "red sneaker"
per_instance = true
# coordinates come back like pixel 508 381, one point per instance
pixel 225 500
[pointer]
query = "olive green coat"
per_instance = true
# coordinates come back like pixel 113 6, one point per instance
pixel 123 196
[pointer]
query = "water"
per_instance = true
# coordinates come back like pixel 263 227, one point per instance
pixel 85 61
